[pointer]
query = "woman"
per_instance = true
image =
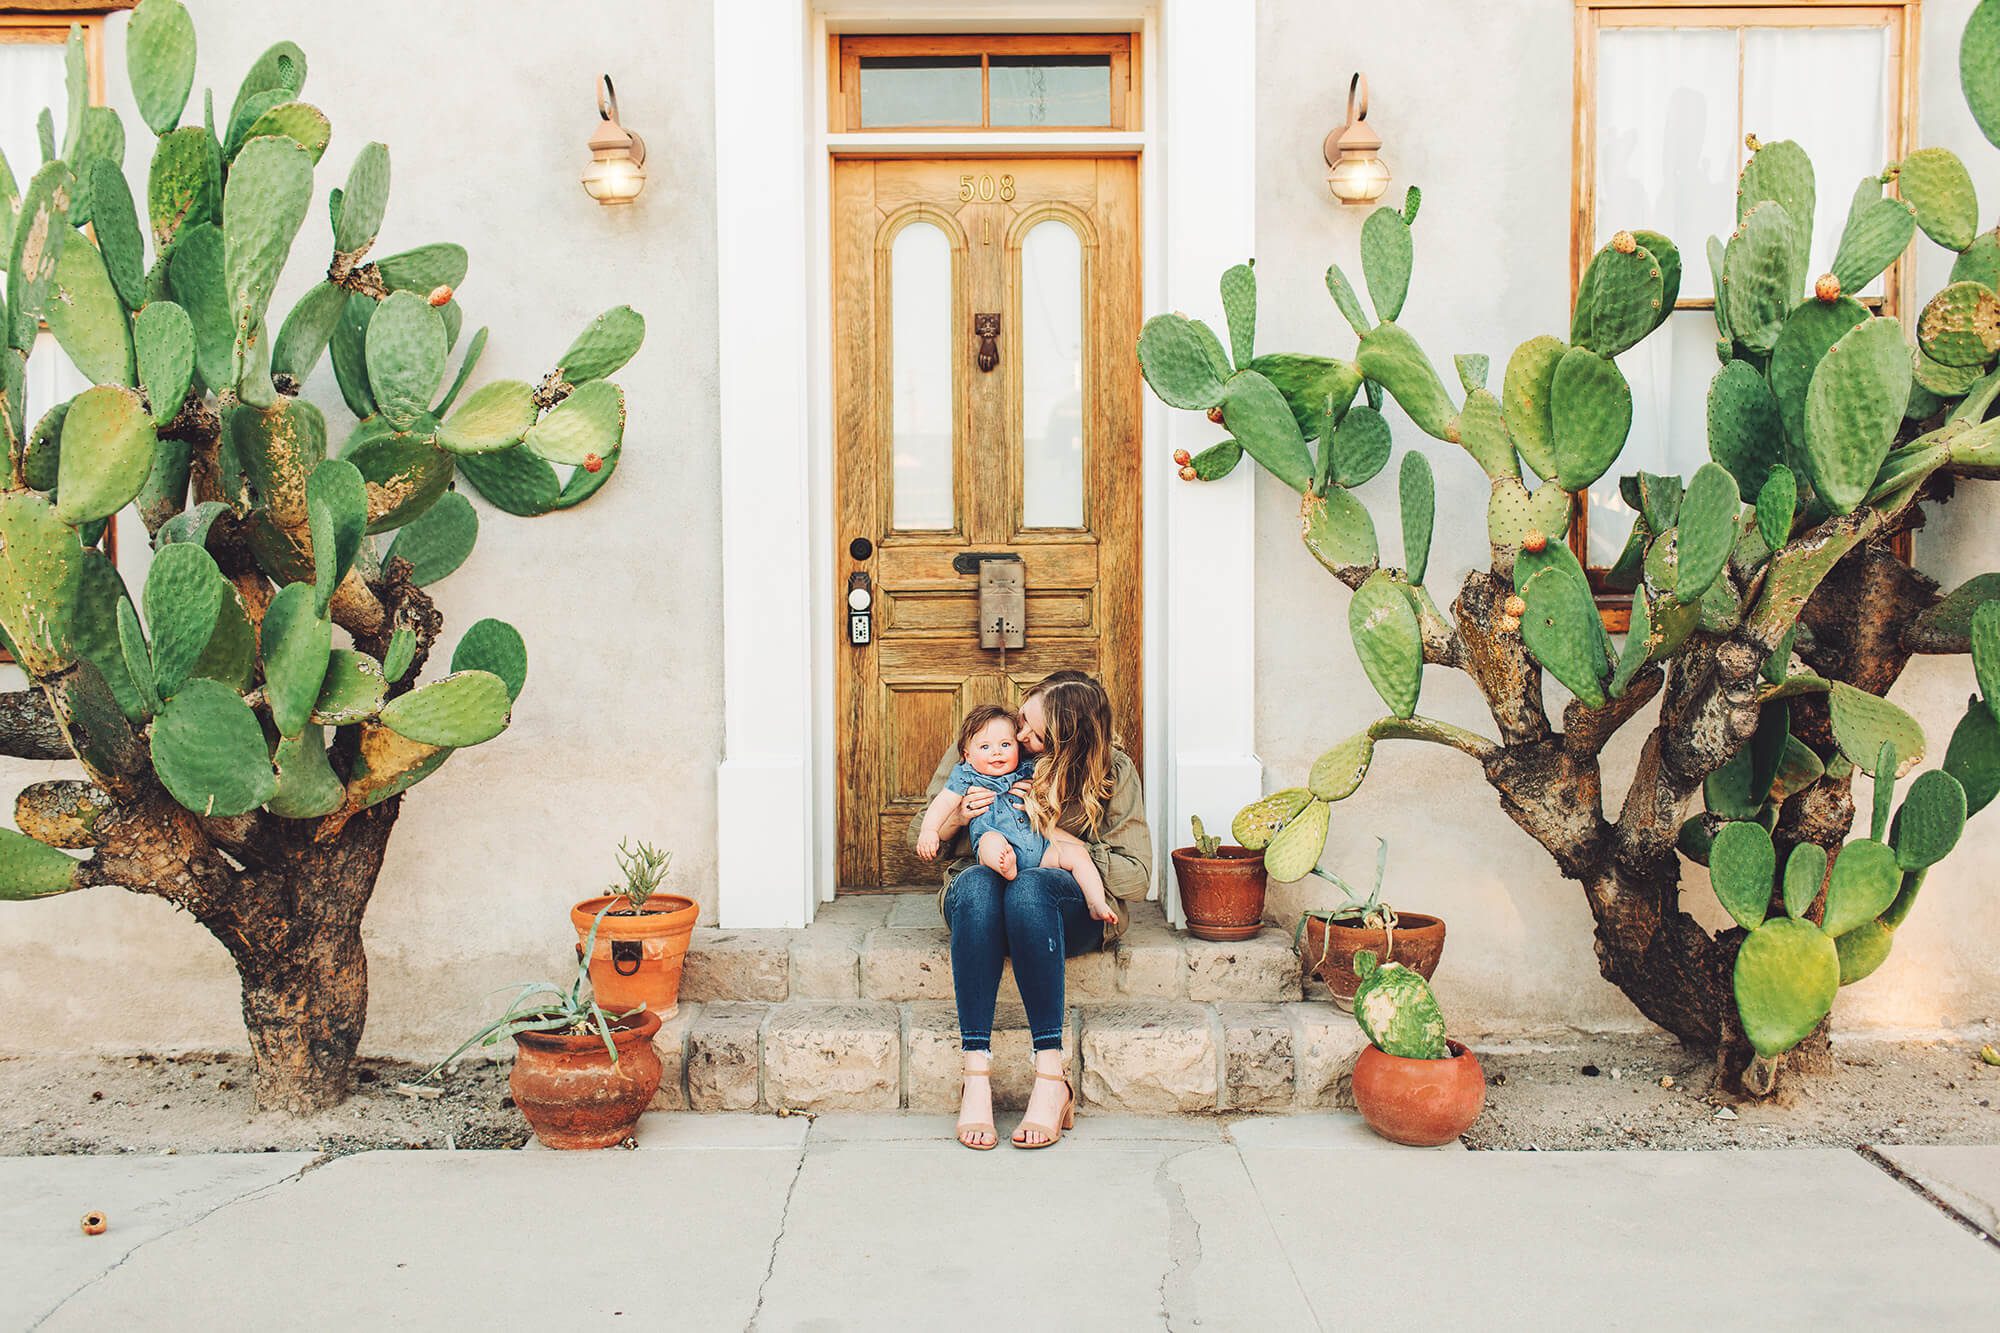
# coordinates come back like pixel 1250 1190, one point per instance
pixel 1040 917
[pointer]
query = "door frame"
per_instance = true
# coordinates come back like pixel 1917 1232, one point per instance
pixel 775 785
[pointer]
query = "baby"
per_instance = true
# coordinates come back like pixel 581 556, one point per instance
pixel 1003 837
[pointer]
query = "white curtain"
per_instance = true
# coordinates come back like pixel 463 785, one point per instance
pixel 31 77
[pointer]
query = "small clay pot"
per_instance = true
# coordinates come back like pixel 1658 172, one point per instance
pixel 1419 1102
pixel 637 959
pixel 1222 895
pixel 1327 950
pixel 571 1092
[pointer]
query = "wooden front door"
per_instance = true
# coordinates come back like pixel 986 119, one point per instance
pixel 955 441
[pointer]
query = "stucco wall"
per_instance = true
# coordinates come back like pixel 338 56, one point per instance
pixel 1473 102
pixel 486 110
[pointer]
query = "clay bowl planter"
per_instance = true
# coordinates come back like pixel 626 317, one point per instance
pixel 1222 895
pixel 1327 949
pixel 1423 1103
pixel 571 1092
pixel 637 959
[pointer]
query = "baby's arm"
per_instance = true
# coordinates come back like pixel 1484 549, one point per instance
pixel 941 805
pixel 1067 852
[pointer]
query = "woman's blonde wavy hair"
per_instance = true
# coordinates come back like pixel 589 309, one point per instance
pixel 1073 774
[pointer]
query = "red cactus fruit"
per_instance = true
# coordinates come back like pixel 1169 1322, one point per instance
pixel 1189 474
pixel 1535 543
pixel 1624 242
pixel 1215 415
pixel 1827 288
pixel 1516 608
pixel 592 463
pixel 1182 458
pixel 439 294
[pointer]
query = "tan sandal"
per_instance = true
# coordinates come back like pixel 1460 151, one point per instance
pixel 1052 1134
pixel 968 1127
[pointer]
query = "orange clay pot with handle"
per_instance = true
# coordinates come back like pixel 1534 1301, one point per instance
pixel 571 1091
pixel 638 957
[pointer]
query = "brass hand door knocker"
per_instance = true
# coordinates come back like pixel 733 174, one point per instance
pixel 986 328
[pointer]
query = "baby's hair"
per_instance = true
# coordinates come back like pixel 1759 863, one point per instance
pixel 979 719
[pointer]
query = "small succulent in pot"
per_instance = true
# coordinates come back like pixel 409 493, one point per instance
pixel 645 869
pixel 1206 844
pixel 1329 939
pixel 543 1006
pixel 1413 1084
pixel 1222 887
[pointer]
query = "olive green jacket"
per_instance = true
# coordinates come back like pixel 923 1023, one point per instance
pixel 1122 848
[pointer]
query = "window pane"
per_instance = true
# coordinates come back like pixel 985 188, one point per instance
pixel 1669 373
pixel 919 90
pixel 1051 377
pixel 1667 144
pixel 31 77
pixel 1050 90
pixel 1827 88
pixel 920 355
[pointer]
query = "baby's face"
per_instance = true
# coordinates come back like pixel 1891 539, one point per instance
pixel 996 748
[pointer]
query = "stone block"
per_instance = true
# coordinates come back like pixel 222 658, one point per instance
pixel 906 964
pixel 826 962
pixel 1156 1056
pixel 855 909
pixel 914 911
pixel 1326 1041
pixel 935 1059
pixel 1257 1061
pixel 1087 977
pixel 1150 963
pixel 670 1044
pixel 752 965
pixel 722 1058
pixel 834 1055
pixel 1264 968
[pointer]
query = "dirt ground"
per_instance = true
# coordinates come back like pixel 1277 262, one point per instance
pixel 1585 1093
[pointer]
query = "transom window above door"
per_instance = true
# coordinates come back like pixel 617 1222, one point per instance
pixel 1013 82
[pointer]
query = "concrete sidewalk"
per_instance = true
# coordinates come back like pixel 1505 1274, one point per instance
pixel 881 1222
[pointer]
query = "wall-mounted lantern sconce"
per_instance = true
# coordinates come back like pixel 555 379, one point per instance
pixel 617 168
pixel 1358 174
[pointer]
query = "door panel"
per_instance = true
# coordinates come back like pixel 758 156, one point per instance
pixel 935 457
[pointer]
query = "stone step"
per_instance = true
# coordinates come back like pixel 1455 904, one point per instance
pixel 894 947
pixel 1147 1056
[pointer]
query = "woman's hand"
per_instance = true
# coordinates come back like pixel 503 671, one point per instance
pixel 974 803
pixel 1021 789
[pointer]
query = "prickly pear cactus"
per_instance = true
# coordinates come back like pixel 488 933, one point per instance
pixel 1395 1007
pixel 246 679
pixel 1760 586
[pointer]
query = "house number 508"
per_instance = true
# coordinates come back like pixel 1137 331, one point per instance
pixel 985 187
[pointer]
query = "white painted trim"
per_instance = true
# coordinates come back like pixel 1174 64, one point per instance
pixel 917 144
pixel 765 826
pixel 776 785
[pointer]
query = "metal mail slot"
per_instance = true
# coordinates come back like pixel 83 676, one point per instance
pixel 1003 603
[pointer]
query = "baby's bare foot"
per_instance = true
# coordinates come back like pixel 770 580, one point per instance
pixel 997 854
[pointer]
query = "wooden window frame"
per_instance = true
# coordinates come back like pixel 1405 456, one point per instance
pixel 844 94
pixel 1903 20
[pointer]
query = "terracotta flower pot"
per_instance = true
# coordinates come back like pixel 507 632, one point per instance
pixel 571 1092
pixel 1223 895
pixel 1419 1102
pixel 638 959
pixel 1327 950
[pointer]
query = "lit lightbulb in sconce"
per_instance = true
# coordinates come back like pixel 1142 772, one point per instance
pixel 1357 174
pixel 616 171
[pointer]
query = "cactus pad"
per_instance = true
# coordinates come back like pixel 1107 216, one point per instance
pixel 1525 397
pixel 1973 757
pixel 1296 848
pixel 1512 512
pixel 438 540
pixel 1359 446
pixel 31 869
pixel 1590 416
pixel 209 751
pixel 352 690
pixel 464 708
pixel 1762 275
pixel 163 339
pixel 1618 301
pixel 1344 298
pixel 1707 530
pixel 1805 873
pixel 1239 309
pixel 1417 492
pixel 296 643
pixel 1177 365
pixel 86 316
pixel 307 786
pixel 1255 412
pixel 1853 409
pixel 1936 184
pixel 183 596
pixel 1785 978
pixel 1391 357
pixel 1777 503
pixel 495 646
pixel 1385 260
pixel 405 357
pixel 1863 723
pixel 337 512
pixel 1745 433
pixel 108 443
pixel 1959 327
pixel 496 416
pixel 1877 230
pixel 41 564
pixel 1930 822
pixel 1388 639
pixel 1863 884
pixel 1742 864
pixel 1258 822
pixel 592 421
pixel 1395 1007
pixel 1336 775
pixel 1337 530
pixel 41 225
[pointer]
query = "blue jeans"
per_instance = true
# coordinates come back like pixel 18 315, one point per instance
pixel 1038 919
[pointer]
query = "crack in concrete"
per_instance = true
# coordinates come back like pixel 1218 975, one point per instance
pixel 1874 1157
pixel 196 1221
pixel 784 1220
pixel 1183 1237
pixel 1305 1297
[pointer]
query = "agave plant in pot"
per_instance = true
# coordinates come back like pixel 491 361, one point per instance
pixel 1412 1083
pixel 1330 938
pixel 637 956
pixel 1222 888
pixel 582 1076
